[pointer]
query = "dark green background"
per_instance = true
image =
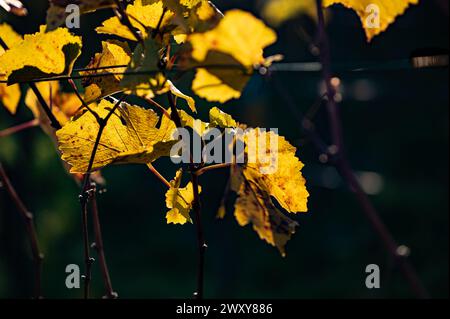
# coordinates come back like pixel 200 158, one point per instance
pixel 401 133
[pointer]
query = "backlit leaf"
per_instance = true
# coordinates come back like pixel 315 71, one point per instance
pixel 130 136
pixel 179 201
pixel 221 119
pixel 9 95
pixel 227 54
pixel 113 53
pixel 283 180
pixel 255 206
pixel 388 11
pixel 278 11
pixel 41 55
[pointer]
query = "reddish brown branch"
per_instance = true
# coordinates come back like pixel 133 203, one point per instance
pixel 28 218
pixel 98 245
pixel 18 128
pixel 346 171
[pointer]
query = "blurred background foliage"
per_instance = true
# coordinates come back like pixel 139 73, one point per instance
pixel 396 130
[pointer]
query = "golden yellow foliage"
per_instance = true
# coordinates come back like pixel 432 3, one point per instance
pixel 113 53
pixel 388 11
pixel 142 16
pixel 63 105
pixel 283 180
pixel 179 201
pixel 10 37
pixel 237 44
pixel 130 136
pixel 238 34
pixel 221 119
pixel 255 206
pixel 9 95
pixel 214 89
pixel 40 55
pixel 278 11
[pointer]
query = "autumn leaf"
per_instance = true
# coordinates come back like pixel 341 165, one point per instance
pixel 190 16
pixel 388 11
pixel 97 87
pixel 256 186
pixel 10 37
pixel 277 12
pixel 179 201
pixel 221 119
pixel 143 75
pixel 9 95
pixel 279 169
pixel 130 136
pixel 144 17
pixel 56 13
pixel 255 206
pixel 227 55
pixel 40 55
pixel 63 105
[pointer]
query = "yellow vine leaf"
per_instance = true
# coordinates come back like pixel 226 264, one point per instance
pixel 144 76
pixel 190 15
pixel 130 136
pixel 256 186
pixel 9 95
pixel 214 89
pixel 219 118
pixel 40 55
pixel 64 105
pixel 388 11
pixel 237 44
pixel 238 34
pixel 113 53
pixel 56 13
pixel 277 12
pixel 179 201
pixel 255 206
pixel 285 182
pixel 10 37
pixel 143 16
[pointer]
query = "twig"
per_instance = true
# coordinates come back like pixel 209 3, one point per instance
pixel 28 217
pixel 85 195
pixel 19 128
pixel 347 173
pixel 201 244
pixel 205 169
pixel 158 175
pixel 83 103
pixel 98 245
pixel 159 106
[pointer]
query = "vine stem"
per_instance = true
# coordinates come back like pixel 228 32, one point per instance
pixel 85 196
pixel 18 128
pixel 98 245
pixel 201 244
pixel 346 171
pixel 28 218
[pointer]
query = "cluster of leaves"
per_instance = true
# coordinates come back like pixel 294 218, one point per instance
pixel 153 42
